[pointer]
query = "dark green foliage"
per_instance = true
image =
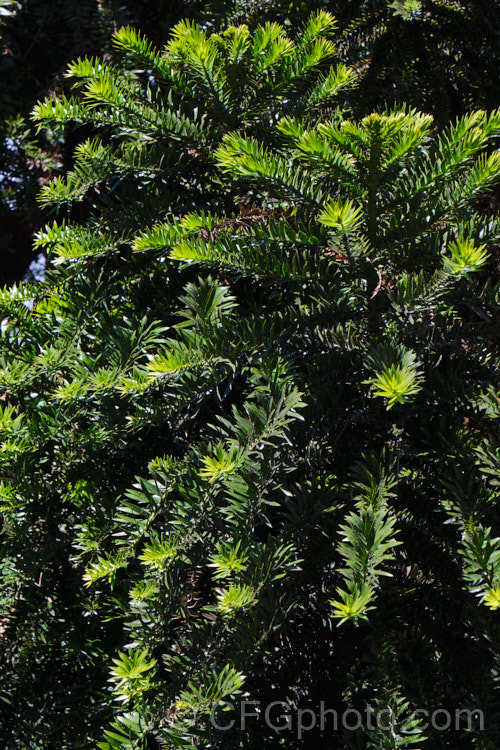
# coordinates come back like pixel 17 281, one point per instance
pixel 442 57
pixel 249 422
pixel 38 39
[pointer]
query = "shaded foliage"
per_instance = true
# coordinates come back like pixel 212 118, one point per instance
pixel 250 419
pixel 38 39
pixel 441 57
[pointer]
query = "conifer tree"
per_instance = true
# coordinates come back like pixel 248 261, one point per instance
pixel 249 421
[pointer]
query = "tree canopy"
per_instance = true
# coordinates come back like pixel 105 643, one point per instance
pixel 249 419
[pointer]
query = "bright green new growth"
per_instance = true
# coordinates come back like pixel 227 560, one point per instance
pixel 224 462
pixel 341 217
pixel 352 605
pixel 131 674
pixel 234 598
pixel 228 560
pixel 158 552
pixel 492 598
pixel 397 383
pixel 465 257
